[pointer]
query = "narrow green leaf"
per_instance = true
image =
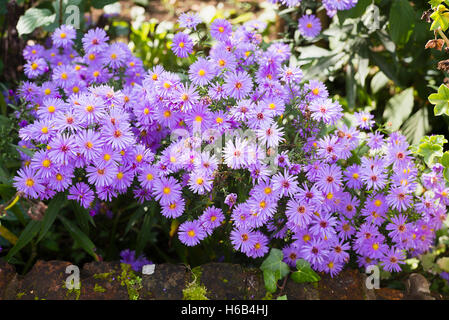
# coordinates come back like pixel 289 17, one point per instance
pixel 25 237
pixel 79 237
pixel 54 207
pixel 144 234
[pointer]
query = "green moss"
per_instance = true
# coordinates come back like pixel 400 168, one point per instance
pixel 70 291
pixel 108 276
pixel 132 282
pixel 99 288
pixel 268 296
pixel 195 290
pixel 20 295
pixel 225 280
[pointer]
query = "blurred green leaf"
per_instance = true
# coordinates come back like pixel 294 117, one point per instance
pixel 401 22
pixel 25 237
pixel 34 18
pixel 398 108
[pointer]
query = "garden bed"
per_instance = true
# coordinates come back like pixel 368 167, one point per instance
pixel 214 281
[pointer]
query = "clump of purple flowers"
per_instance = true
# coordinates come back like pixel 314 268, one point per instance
pixel 129 257
pixel 169 138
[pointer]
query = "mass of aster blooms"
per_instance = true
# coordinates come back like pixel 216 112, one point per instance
pixel 104 126
pixel 331 6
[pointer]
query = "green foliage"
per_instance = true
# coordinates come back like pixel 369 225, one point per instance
pixel 429 148
pixel 440 18
pixel 274 269
pixel 401 21
pixel 305 273
pixel 398 108
pixel 34 18
pixel 440 100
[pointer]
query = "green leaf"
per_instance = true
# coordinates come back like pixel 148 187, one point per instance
pixel 99 4
pixel 398 108
pixel 401 21
pixel 440 100
pixel 305 273
pixel 79 237
pixel 270 281
pixel 443 263
pixel 440 18
pixel 144 234
pixel 355 12
pixel 134 218
pixel 26 236
pixel 429 148
pixel 34 18
pixel 445 159
pixel 284 297
pixel 274 269
pixel 54 207
pixel 379 81
pixel 415 127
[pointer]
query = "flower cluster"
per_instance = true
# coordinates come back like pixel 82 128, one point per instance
pixel 105 126
pixel 331 6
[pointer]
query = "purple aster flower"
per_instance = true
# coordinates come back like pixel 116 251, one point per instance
pixel 309 26
pixel 392 259
pixel 95 41
pixel 399 199
pixel 315 252
pixel 82 193
pixel 173 209
pixel 182 45
pixel 325 110
pixel 243 239
pixel 101 176
pixel 191 233
pixel 35 68
pixel 299 213
pixel 364 120
pixel 28 182
pixel 211 218
pixel 221 29
pixel 238 84
pixel 129 257
pixel 63 36
pixel 231 199
pixel 329 178
pixel 166 190
pixel 201 72
pixel 63 149
pixel 189 20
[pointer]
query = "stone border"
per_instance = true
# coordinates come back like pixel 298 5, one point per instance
pixel 214 281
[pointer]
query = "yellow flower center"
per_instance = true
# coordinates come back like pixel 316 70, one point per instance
pixel 46 163
pixel 29 182
pixel 51 109
pixel 150 177
pixel 201 73
pixel 34 66
pixel 44 130
pixel 120 175
pixel 167 190
pixel 47 91
pixel 191 233
pixel 64 76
